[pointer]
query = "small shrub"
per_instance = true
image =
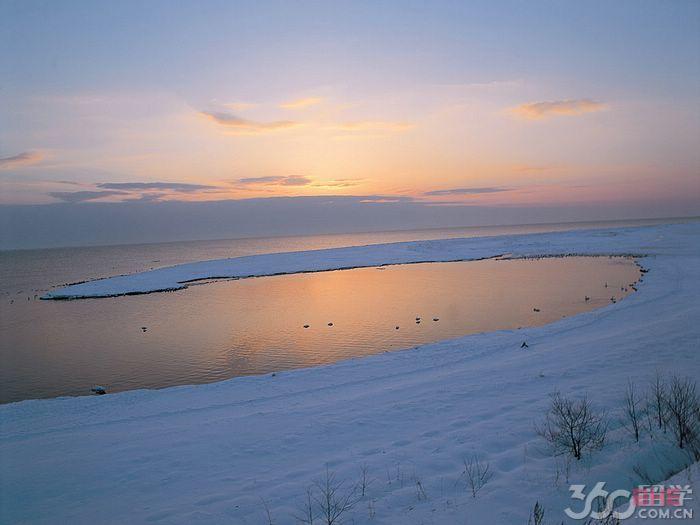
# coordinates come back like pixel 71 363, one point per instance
pixel 537 516
pixel 683 413
pixel 365 480
pixel 573 427
pixel 632 411
pixel 333 500
pixel 477 474
pixel 657 401
pixel 421 495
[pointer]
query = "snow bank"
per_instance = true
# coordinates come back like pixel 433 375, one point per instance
pixel 687 477
pixel 212 454
pixel 177 277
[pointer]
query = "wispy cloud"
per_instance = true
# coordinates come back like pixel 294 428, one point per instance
pixel 21 159
pixel 339 183
pixel 132 191
pixel 540 110
pixel 83 196
pixel 385 199
pixel 291 180
pixel 149 197
pixel 141 186
pixel 258 180
pixel 378 126
pixel 295 181
pixel 247 127
pixel 301 103
pixel 522 168
pixel 464 191
pixel 68 182
pixel 239 106
pixel 232 122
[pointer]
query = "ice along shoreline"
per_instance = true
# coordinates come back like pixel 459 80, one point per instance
pixel 598 242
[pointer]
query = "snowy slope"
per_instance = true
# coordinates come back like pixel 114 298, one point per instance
pixel 214 453
pixel 687 477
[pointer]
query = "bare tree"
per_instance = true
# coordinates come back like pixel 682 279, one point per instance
pixel 657 400
pixel 633 411
pixel 333 500
pixel 573 427
pixel 477 474
pixel 683 412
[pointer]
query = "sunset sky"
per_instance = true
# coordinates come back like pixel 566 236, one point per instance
pixel 441 104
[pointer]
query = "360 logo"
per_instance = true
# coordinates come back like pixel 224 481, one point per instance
pixel 649 501
pixel 599 493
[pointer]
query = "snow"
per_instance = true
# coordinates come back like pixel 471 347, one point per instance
pixel 176 277
pixel 687 477
pixel 223 452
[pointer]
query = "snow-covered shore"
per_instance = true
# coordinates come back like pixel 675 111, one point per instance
pixel 442 250
pixel 222 453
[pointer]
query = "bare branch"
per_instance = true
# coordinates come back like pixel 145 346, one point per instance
pixel 632 411
pixel 365 480
pixel 306 512
pixel 657 400
pixel 683 412
pixel 573 427
pixel 537 516
pixel 477 474
pixel 333 500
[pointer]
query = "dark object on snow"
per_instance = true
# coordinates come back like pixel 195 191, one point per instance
pixel 98 390
pixel 535 309
pixel 524 345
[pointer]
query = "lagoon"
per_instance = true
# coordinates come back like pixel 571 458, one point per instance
pixel 212 331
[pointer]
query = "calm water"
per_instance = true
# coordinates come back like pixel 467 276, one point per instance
pixel 231 328
pixel 226 329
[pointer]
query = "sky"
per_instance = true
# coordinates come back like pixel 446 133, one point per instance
pixel 421 114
